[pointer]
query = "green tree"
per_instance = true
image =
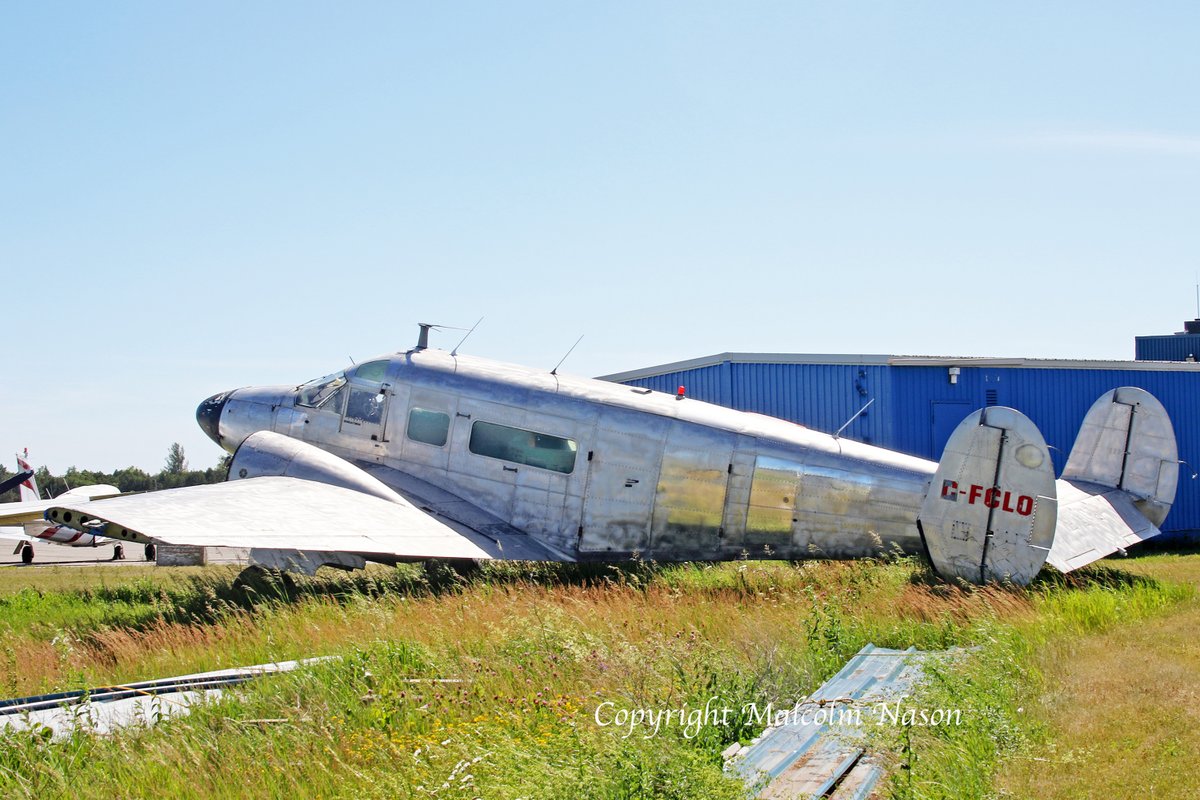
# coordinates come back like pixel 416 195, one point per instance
pixel 11 495
pixel 176 460
pixel 43 478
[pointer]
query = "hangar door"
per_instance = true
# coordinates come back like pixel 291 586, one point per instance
pixel 946 416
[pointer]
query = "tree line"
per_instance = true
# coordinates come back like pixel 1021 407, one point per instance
pixel 175 472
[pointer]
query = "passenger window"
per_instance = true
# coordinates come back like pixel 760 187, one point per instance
pixel 365 406
pixel 523 447
pixel 429 427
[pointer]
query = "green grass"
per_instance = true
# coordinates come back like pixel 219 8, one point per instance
pixel 998 683
pixel 78 579
pixel 534 650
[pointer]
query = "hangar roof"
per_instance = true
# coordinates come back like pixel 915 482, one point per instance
pixel 900 361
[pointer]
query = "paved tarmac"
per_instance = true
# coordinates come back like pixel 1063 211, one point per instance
pixel 48 553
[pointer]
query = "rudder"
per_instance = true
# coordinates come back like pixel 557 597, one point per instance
pixel 990 511
pixel 1127 442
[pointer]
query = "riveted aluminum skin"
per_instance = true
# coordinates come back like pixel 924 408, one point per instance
pixel 653 476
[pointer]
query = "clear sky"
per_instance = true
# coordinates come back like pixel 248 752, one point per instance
pixel 199 196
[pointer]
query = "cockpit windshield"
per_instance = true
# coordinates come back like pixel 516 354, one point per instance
pixel 316 392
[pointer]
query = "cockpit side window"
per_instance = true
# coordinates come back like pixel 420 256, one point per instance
pixel 317 393
pixel 373 371
pixel 365 406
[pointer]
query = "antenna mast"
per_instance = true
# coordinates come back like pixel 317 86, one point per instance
pixel 454 352
pixel 564 358
pixel 857 414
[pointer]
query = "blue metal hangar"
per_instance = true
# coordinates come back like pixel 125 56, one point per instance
pixel 916 402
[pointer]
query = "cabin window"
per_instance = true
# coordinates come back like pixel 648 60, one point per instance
pixel 373 371
pixel 365 405
pixel 316 394
pixel 429 427
pixel 523 447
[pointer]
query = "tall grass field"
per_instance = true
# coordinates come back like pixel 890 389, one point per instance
pixel 507 683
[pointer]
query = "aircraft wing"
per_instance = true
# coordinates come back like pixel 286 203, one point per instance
pixel 288 513
pixel 278 512
pixel 1094 521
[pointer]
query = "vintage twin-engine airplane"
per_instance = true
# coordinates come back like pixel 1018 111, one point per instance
pixel 426 454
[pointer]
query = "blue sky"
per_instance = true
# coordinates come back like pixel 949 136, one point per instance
pixel 200 196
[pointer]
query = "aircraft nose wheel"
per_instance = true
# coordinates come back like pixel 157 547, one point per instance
pixel 27 554
pixel 118 553
pixel 149 552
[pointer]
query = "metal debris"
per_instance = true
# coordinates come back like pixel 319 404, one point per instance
pixel 107 708
pixel 817 750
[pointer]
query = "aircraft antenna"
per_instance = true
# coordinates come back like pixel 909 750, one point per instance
pixel 857 414
pixel 423 339
pixel 564 358
pixel 454 352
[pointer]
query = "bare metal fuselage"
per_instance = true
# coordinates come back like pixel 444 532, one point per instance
pixel 652 475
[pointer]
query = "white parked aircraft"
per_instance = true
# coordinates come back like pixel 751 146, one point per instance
pixel 31 507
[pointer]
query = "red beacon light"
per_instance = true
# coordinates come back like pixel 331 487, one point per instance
pixel 680 393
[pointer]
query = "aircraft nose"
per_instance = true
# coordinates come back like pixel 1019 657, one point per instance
pixel 208 415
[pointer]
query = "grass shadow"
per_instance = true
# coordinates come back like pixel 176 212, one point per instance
pixel 1093 576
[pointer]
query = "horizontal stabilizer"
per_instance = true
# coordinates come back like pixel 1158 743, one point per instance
pixel 1093 522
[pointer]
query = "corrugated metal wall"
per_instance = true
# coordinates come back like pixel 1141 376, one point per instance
pixel 823 397
pixel 710 384
pixel 917 407
pixel 819 396
pixel 1167 348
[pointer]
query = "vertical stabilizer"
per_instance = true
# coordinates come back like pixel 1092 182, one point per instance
pixel 1119 481
pixel 990 511
pixel 1127 442
pixel 29 487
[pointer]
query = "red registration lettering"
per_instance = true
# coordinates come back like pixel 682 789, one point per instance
pixel 994 497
